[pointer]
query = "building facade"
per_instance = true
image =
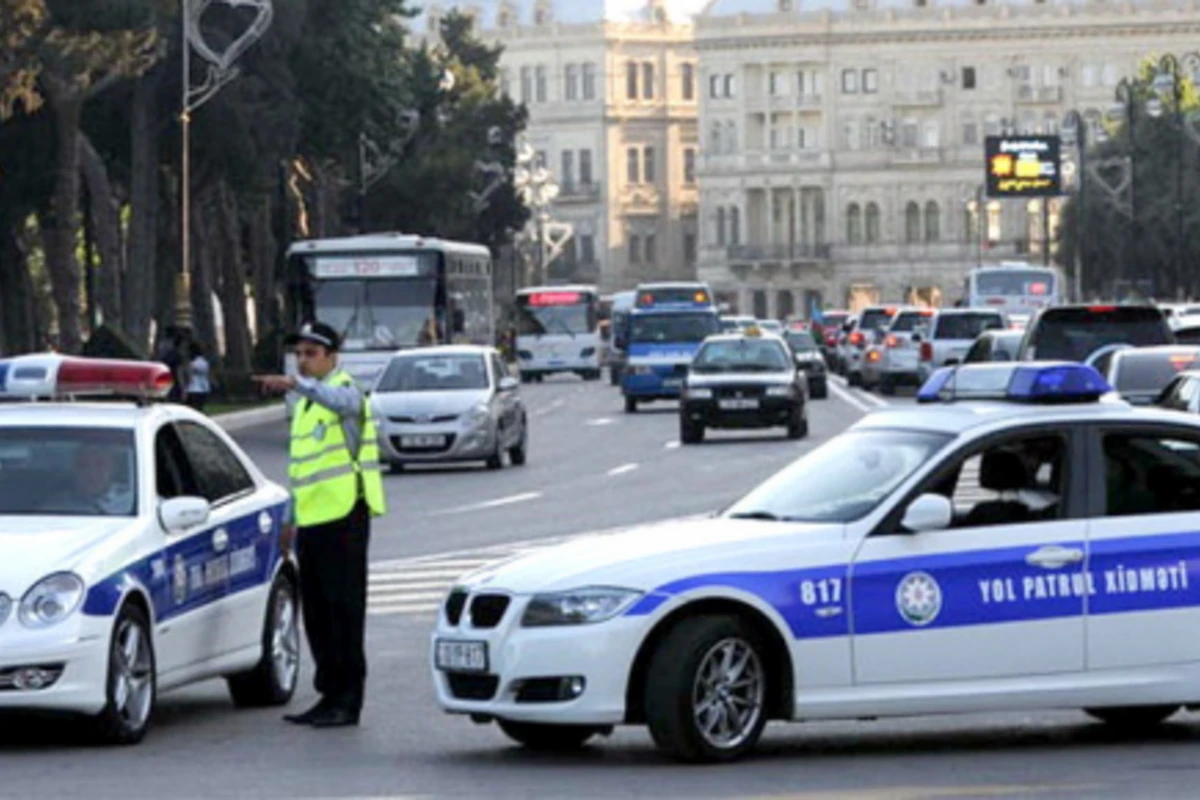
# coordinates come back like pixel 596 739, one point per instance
pixel 612 93
pixel 842 144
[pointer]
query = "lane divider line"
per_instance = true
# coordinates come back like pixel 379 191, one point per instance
pixel 502 501
pixel 621 470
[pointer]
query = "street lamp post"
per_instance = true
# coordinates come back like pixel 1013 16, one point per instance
pixel 1076 128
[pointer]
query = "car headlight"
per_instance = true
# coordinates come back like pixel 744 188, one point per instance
pixel 779 391
pixel 51 600
pixel 479 414
pixel 578 607
pixel 700 394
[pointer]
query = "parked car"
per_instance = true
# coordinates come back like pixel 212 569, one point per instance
pixel 810 361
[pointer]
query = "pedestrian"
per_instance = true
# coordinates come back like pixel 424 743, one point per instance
pixel 337 486
pixel 199 379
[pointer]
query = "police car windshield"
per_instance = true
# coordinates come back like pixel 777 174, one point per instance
pixel 742 355
pixel 80 472
pixel 434 374
pixel 673 328
pixel 843 479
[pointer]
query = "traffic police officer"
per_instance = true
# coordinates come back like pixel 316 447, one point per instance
pixel 337 487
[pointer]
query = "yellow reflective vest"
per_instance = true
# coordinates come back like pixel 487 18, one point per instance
pixel 325 476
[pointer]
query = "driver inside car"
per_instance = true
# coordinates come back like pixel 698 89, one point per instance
pixel 93 487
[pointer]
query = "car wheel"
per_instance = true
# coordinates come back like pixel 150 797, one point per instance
pixel 820 390
pixel 131 685
pixel 614 376
pixel 517 453
pixel 631 405
pixel 273 680
pixel 798 427
pixel 526 377
pixel 495 461
pixel 854 379
pixel 690 432
pixel 887 386
pixel 1132 718
pixel 537 736
pixel 706 690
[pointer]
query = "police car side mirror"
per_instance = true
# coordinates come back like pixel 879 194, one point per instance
pixel 180 514
pixel 508 384
pixel 929 512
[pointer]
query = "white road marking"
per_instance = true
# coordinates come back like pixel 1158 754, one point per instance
pixel 596 423
pixel 502 501
pixel 621 470
pixel 845 396
pixel 873 399
pixel 671 446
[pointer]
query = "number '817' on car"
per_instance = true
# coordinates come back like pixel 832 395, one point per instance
pixel 142 551
pixel 1021 539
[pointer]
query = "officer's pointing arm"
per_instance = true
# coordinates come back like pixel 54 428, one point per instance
pixel 345 401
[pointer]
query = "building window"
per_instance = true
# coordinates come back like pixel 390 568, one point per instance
pixel 651 245
pixel 933 222
pixel 689 248
pixel 571 85
pixel 912 222
pixel 991 125
pixel 850 139
pixel 540 159
pixel 773 83
pixel 735 225
pixel 870 133
pixel 635 249
pixel 931 135
pixel 870 81
pixel 585 167
pixel 872 226
pixel 647 81
pixel 689 166
pixel 854 224
pixel 968 77
pixel 587 248
pixel 721 226
pixel 631 81
pixel 649 168
pixel 730 86
pixel 714 138
pixel 505 82
pixel 995 227
pixel 714 86
pixel 849 81
pixel 526 84
pixel 589 81
pixel 970 132
pixel 567 178
pixel 688 78
pixel 541 84
pixel 909 133
pixel 760 304
pixel 633 173
pixel 731 137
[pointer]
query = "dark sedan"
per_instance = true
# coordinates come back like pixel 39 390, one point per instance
pixel 811 361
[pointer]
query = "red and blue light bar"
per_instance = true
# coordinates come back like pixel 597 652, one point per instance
pixel 1042 383
pixel 52 375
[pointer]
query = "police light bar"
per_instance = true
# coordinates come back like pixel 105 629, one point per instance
pixel 51 375
pixel 1038 383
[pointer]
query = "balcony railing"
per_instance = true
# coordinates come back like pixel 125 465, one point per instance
pixel 917 155
pixel 579 193
pixel 1027 93
pixel 777 252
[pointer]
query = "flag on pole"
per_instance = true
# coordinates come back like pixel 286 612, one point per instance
pixel 814 311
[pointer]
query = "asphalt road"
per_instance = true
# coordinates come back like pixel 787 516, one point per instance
pixel 581 476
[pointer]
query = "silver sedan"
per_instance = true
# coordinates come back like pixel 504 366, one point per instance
pixel 449 404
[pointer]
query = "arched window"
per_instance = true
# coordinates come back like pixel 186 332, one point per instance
pixel 933 222
pixel 912 222
pixel 872 225
pixel 785 304
pixel 854 224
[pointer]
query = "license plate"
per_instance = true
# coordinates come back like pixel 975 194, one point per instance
pixel 673 383
pixel 427 440
pixel 737 404
pixel 557 363
pixel 452 656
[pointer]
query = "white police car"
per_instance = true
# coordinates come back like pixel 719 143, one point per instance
pixel 1030 542
pixel 141 551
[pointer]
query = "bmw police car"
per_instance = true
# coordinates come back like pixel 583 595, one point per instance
pixel 1021 539
pixel 141 551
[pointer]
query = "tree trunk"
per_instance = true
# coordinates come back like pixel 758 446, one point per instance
pixel 262 260
pixel 142 274
pixel 204 251
pixel 232 282
pixel 106 226
pixel 62 262
pixel 19 329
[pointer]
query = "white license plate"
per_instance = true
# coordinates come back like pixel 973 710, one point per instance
pixel 452 656
pixel 673 383
pixel 427 440
pixel 737 404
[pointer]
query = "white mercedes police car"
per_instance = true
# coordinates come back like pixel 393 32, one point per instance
pixel 1020 540
pixel 141 551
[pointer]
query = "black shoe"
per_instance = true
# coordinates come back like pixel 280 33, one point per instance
pixel 308 716
pixel 335 717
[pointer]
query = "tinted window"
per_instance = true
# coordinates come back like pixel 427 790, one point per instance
pixel 1151 372
pixel 219 473
pixel 909 321
pixel 88 472
pixel 1014 283
pixel 1073 334
pixel 430 373
pixel 1151 474
pixel 673 328
pixel 742 355
pixel 801 341
pixel 966 326
pixel 874 318
pixel 1188 335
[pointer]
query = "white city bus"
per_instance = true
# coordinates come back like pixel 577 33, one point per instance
pixel 386 292
pixel 1015 287
pixel 558 330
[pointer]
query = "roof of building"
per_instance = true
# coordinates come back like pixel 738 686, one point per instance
pixel 570 12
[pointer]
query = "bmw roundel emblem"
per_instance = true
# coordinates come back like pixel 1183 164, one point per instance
pixel 918 598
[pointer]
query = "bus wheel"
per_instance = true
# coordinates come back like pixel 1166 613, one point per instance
pixel 526 377
pixel 630 405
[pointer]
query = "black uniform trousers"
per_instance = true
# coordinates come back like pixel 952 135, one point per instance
pixel 333 596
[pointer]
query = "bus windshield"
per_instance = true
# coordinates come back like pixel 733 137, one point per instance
pixel 1015 283
pixel 378 313
pixel 686 328
pixel 562 313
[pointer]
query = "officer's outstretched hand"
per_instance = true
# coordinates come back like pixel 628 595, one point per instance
pixel 275 383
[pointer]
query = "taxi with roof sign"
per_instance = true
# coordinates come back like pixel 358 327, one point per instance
pixel 1020 539
pixel 144 550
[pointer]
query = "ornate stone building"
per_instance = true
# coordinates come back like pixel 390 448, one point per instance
pixel 842 140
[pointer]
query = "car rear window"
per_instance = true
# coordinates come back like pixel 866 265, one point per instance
pixel 874 318
pixel 967 326
pixel 1187 335
pixel 909 321
pixel 1073 334
pixel 1152 371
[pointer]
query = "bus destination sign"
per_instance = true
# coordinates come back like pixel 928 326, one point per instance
pixel 1023 166
pixel 367 267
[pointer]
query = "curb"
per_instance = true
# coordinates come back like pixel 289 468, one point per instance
pixel 240 420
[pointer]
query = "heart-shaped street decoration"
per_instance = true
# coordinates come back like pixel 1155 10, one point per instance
pixel 223 60
pixel 556 235
pixel 1114 175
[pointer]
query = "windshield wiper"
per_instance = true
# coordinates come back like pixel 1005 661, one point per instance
pixel 763 515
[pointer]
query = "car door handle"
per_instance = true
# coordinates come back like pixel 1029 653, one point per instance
pixel 1054 557
pixel 220 540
